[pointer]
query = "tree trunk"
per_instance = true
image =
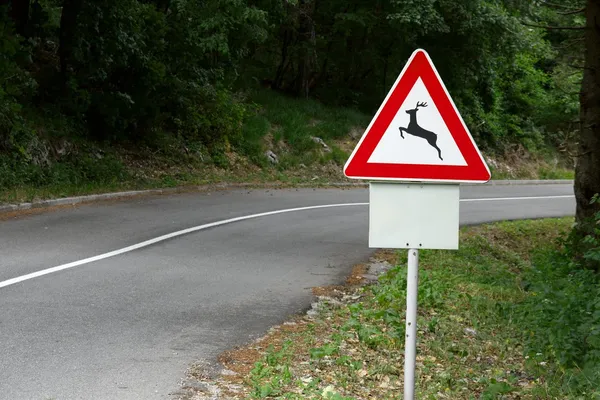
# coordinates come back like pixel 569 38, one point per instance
pixel 385 72
pixel 307 40
pixel 68 31
pixel 283 63
pixel 587 168
pixel 20 14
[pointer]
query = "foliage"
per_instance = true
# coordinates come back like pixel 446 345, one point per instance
pixel 75 170
pixel 133 72
pixel 290 124
pixel 498 71
pixel 562 314
pixel 14 83
pixel 562 310
pixel 129 69
pixel 582 246
pixel 160 69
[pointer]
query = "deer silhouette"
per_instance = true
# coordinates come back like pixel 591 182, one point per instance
pixel 415 130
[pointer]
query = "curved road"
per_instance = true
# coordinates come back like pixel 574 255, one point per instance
pixel 126 326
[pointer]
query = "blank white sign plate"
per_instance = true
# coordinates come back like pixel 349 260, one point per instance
pixel 413 216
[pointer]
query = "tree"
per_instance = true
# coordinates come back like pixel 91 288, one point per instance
pixel 68 34
pixel 306 33
pixel 587 170
pixel 349 53
pixel 576 23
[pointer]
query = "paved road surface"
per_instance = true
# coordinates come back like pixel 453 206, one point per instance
pixel 127 327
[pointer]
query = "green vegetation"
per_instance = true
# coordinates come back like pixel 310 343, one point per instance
pixel 290 123
pixel 277 122
pixel 507 316
pixel 283 124
pixel 106 94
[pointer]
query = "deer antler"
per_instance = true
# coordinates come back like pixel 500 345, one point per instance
pixel 424 104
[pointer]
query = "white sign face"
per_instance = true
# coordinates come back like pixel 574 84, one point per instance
pixel 402 147
pixel 412 216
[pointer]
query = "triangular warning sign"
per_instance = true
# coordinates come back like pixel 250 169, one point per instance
pixel 417 134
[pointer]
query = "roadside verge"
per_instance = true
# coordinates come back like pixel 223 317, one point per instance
pixel 478 332
pixel 71 201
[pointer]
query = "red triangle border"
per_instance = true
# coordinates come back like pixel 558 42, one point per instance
pixel 418 66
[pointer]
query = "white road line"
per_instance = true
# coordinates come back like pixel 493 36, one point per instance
pixel 150 242
pixel 568 196
pixel 161 239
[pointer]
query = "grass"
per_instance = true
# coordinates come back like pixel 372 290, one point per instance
pixel 287 125
pixel 476 319
pixel 521 164
pixel 532 171
pixel 173 177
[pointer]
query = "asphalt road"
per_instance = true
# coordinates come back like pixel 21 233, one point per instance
pixel 128 326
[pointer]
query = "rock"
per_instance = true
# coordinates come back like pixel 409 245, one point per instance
pixel 471 331
pixel 351 298
pixel 272 157
pixel 491 162
pixel 331 301
pixel 321 142
pixel 39 152
pixel 328 392
pixel 228 372
pixel 315 309
pixel 378 268
pixel 195 385
pixel 62 148
pixel 355 133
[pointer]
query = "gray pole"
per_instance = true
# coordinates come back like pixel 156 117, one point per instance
pixel 410 347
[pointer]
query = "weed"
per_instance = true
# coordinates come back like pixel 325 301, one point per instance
pixel 270 377
pixel 327 350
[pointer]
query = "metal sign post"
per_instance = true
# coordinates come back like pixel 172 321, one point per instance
pixel 410 347
pixel 413 216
